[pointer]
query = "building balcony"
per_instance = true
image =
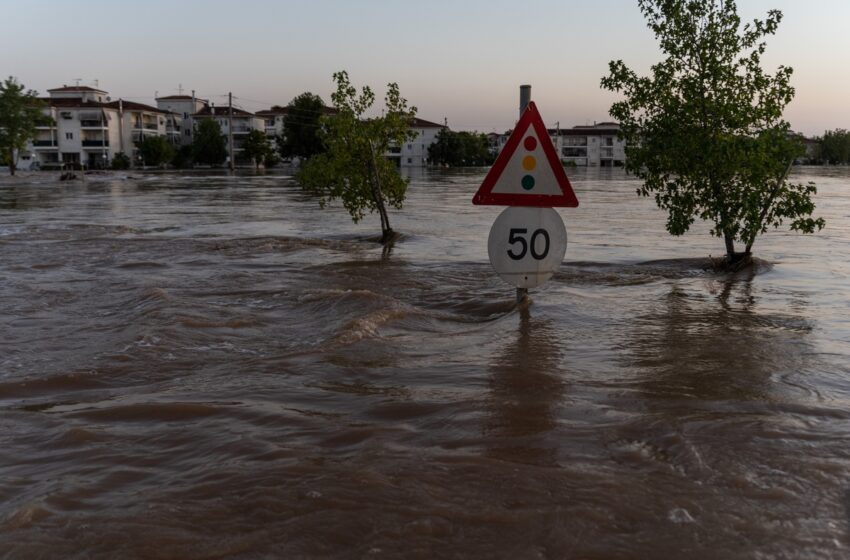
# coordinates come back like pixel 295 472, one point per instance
pixel 93 124
pixel 146 126
pixel 44 143
pixel 95 143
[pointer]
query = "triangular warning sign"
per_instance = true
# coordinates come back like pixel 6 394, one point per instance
pixel 527 172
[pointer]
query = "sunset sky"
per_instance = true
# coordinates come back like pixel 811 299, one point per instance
pixel 453 59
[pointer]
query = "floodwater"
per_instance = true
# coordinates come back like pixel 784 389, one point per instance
pixel 215 367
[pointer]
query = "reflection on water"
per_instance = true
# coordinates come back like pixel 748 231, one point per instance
pixel 716 344
pixel 213 366
pixel 525 389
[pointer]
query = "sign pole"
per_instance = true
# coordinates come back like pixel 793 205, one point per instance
pixel 524 98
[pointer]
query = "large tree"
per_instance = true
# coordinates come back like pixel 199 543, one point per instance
pixel 835 146
pixel 156 150
pixel 301 127
pixel 460 149
pixel 354 168
pixel 20 114
pixel 209 147
pixel 257 148
pixel 705 131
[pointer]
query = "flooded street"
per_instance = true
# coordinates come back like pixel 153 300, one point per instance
pixel 213 366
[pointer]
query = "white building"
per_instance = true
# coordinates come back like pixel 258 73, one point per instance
pixel 594 145
pixel 89 129
pixel 183 107
pixel 243 123
pixel 273 121
pixel 590 146
pixel 414 153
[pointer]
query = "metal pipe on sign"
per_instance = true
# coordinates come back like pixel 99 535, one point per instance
pixel 524 100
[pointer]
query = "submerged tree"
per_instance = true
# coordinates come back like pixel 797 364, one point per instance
pixel 209 146
pixel 460 149
pixel 705 130
pixel 301 127
pixel 354 168
pixel 20 114
pixel 155 150
pixel 257 148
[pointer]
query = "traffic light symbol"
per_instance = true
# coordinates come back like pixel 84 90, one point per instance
pixel 529 163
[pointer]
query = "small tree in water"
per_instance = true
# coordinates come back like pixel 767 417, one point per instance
pixel 705 131
pixel 354 167
pixel 20 114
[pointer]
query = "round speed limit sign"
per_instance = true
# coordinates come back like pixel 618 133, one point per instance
pixel 526 245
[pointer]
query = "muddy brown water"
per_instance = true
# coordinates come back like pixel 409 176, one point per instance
pixel 214 367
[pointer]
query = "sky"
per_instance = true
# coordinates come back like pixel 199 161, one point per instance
pixel 459 60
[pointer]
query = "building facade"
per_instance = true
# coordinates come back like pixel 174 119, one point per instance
pixel 88 128
pixel 414 153
pixel 590 146
pixel 243 123
pixel 182 109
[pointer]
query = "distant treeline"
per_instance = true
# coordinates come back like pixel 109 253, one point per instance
pixel 460 149
pixel 833 148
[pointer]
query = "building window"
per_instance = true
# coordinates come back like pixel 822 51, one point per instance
pixel 574 152
pixel 410 146
pixel 575 141
pixel 409 160
pixel 69 136
pixel 188 132
pixel 185 115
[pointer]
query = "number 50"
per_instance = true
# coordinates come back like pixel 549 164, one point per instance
pixel 516 236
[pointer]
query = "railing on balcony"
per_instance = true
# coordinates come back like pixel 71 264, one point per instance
pixel 92 124
pixel 44 143
pixel 95 143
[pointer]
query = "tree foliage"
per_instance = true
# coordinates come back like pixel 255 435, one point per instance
pixel 705 131
pixel 209 146
pixel 256 147
pixel 460 149
pixel 301 127
pixel 120 162
pixel 354 168
pixel 835 147
pixel 20 114
pixel 156 150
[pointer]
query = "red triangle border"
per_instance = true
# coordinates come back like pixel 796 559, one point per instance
pixel 567 198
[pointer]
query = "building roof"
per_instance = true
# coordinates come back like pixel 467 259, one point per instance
pixel 78 103
pixel 211 111
pixel 73 103
pixel 278 110
pixel 416 122
pixel 274 111
pixel 133 106
pixel 70 89
pixel 181 98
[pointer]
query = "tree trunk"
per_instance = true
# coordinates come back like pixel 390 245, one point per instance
pixel 377 195
pixel 12 161
pixel 735 261
pixel 767 204
pixel 730 247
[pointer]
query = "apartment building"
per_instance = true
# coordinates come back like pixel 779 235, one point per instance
pixel 243 123
pixel 414 153
pixel 88 128
pixel 590 145
pixel 182 108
